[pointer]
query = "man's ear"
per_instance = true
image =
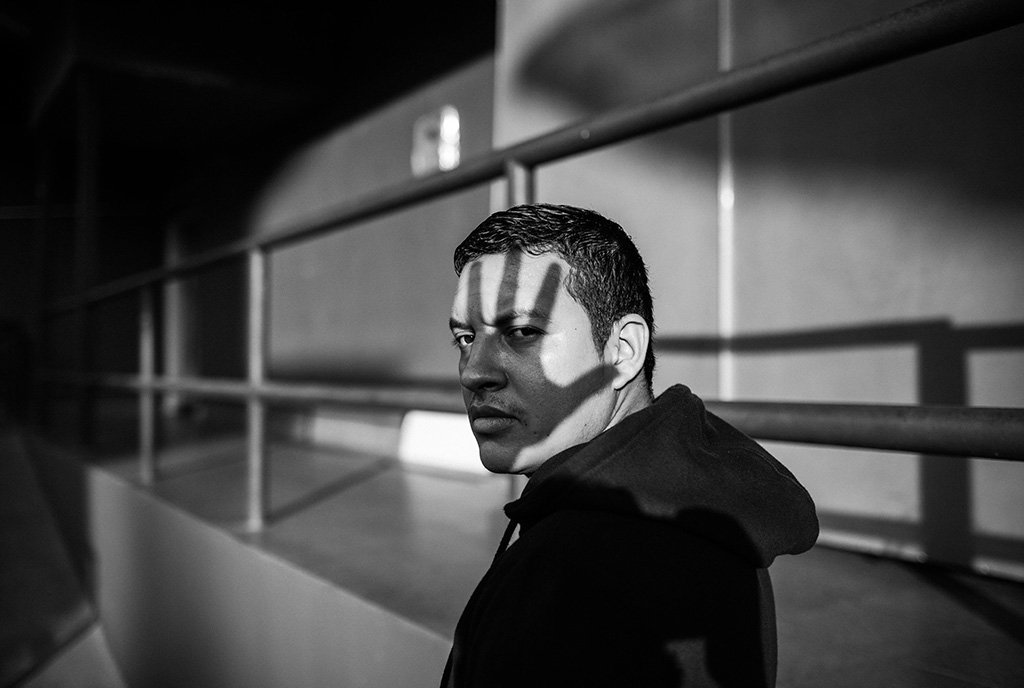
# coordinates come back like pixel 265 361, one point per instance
pixel 627 348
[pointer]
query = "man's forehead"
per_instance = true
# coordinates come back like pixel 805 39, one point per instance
pixel 501 282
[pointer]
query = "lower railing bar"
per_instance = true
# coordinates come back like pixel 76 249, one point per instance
pixel 905 33
pixel 447 399
pixel 983 432
pixel 434 397
pixel 996 433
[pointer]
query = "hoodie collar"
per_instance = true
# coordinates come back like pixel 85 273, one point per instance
pixel 676 463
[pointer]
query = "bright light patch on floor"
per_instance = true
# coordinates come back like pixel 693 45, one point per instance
pixel 439 440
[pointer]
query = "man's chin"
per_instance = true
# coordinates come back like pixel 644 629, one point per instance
pixel 507 460
pixel 497 460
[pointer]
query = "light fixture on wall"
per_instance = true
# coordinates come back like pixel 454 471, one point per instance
pixel 435 141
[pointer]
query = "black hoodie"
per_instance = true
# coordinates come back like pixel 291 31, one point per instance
pixel 641 561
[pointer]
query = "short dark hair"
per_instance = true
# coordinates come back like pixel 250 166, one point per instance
pixel 607 275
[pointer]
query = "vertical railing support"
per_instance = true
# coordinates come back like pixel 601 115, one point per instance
pixel 256 407
pixel 520 181
pixel 147 375
pixel 85 245
pixel 726 217
pixel 40 325
pixel 84 362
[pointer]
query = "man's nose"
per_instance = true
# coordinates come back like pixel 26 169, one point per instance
pixel 483 369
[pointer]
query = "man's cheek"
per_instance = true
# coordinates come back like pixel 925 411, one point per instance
pixel 555 366
pixel 564 371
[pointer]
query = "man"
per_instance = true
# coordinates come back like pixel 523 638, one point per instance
pixel 647 525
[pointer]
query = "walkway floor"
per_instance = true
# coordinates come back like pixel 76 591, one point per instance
pixel 417 542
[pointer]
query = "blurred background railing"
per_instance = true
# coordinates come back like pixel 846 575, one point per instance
pixel 960 431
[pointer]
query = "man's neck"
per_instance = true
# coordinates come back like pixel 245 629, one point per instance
pixel 634 397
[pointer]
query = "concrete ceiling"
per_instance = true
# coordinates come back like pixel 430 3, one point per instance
pixel 181 78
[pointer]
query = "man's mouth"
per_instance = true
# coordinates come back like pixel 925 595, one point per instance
pixel 490 420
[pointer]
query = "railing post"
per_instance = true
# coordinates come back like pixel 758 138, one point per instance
pixel 83 360
pixel 147 375
pixel 85 239
pixel 520 181
pixel 40 323
pixel 726 218
pixel 256 406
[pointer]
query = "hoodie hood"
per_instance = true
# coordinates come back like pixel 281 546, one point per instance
pixel 677 463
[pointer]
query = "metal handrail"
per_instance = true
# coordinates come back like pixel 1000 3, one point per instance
pixel 979 432
pixel 426 397
pixel 984 432
pixel 909 32
pixel 995 433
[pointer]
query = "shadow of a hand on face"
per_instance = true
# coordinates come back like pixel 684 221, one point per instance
pixel 539 365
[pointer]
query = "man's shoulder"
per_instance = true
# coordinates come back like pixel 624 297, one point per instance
pixel 574 581
pixel 612 549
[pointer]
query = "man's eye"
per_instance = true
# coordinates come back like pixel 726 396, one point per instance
pixel 524 332
pixel 462 339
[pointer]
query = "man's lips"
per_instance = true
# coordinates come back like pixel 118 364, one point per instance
pixel 489 420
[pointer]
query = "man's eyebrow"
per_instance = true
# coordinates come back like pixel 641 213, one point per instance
pixel 530 314
pixel 509 316
pixel 505 318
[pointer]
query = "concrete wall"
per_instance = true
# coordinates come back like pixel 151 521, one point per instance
pixel 858 241
pixel 369 303
pixel 872 253
pixel 87 663
pixel 241 618
pixel 372 302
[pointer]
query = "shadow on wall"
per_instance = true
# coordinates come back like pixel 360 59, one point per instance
pixel 942 356
pixel 15 381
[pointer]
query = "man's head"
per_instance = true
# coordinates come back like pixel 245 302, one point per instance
pixel 607 275
pixel 553 317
